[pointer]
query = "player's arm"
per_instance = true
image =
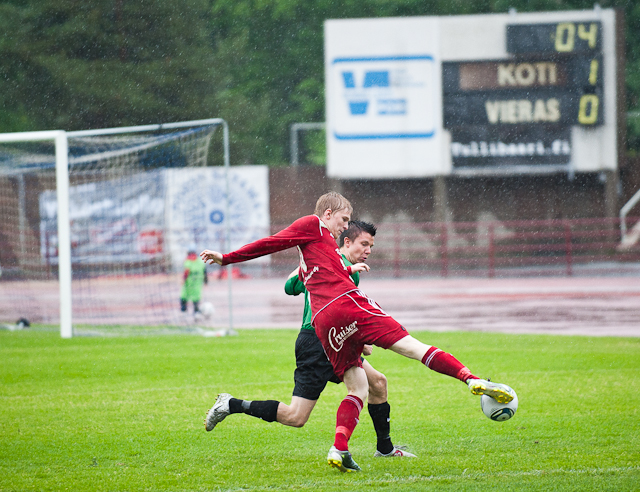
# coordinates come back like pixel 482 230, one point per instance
pixel 293 286
pixel 211 257
pixel 303 230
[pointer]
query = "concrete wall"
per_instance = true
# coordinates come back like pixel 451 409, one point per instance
pixel 294 191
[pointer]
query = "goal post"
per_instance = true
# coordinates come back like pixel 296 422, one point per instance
pixel 49 219
pixel 59 138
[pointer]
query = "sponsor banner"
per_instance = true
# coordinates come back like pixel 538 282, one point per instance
pixel 486 146
pixel 112 221
pixel 378 97
pixel 161 213
pixel 384 98
pixel 197 212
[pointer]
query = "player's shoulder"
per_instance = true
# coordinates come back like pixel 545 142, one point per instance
pixel 309 222
pixel 308 219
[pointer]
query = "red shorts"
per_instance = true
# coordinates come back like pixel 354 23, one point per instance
pixel 348 323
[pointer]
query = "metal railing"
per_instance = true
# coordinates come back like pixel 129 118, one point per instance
pixel 491 249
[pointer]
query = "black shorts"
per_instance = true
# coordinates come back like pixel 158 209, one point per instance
pixel 313 369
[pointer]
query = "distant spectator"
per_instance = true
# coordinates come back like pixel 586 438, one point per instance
pixel 194 277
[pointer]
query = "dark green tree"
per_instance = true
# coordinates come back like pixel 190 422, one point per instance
pixel 71 64
pixel 256 63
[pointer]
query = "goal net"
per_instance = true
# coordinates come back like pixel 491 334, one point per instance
pixel 126 247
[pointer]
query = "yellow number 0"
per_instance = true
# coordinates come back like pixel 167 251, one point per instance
pixel 568 30
pixel 588 112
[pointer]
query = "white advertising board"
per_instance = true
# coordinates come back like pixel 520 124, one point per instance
pixel 158 213
pixel 383 86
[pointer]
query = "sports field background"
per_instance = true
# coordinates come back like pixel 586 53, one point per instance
pixel 126 413
pixel 566 305
pixel 559 305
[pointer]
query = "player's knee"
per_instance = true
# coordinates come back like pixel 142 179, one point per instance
pixel 291 417
pixel 378 386
pixel 299 420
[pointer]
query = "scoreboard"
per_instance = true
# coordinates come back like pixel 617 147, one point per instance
pixel 518 112
pixel 496 94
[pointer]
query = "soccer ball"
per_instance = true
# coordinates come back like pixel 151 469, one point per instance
pixel 207 309
pixel 498 411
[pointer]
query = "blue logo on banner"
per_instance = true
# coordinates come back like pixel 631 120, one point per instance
pixel 349 81
pixel 358 107
pixel 385 97
pixel 376 79
pixel 371 79
pixel 216 217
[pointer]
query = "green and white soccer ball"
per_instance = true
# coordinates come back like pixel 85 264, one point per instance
pixel 498 411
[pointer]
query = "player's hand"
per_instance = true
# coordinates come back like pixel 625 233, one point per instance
pixel 211 257
pixel 367 350
pixel 360 267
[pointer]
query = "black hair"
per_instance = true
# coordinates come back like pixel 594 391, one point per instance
pixel 356 227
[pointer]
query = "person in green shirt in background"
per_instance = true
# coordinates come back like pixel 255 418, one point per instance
pixel 194 277
pixel 313 369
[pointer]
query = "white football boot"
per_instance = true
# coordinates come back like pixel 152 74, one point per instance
pixel 218 412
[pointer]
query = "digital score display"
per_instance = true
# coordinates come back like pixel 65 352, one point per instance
pixel 565 91
pixel 561 37
pixel 525 105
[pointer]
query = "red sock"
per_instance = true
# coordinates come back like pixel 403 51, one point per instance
pixel 445 363
pixel 346 421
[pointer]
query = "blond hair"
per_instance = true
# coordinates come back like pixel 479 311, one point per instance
pixel 334 201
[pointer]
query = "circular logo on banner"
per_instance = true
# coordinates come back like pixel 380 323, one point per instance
pixel 216 217
pixel 199 209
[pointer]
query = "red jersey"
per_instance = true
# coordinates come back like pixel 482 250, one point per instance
pixel 322 270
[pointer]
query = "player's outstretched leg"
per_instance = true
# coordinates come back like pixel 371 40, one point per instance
pixel 499 392
pixel 445 363
pixel 342 460
pixel 225 405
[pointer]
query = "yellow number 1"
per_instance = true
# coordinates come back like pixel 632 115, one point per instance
pixel 593 72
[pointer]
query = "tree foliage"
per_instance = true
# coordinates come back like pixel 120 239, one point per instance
pixel 71 64
pixel 256 63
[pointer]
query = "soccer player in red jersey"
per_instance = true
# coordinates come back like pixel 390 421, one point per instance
pixel 313 369
pixel 346 319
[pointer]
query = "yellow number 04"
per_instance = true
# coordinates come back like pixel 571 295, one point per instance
pixel 566 35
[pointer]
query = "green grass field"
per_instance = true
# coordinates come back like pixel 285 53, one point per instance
pixel 126 413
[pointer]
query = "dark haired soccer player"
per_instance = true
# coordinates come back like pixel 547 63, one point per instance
pixel 313 369
pixel 346 319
